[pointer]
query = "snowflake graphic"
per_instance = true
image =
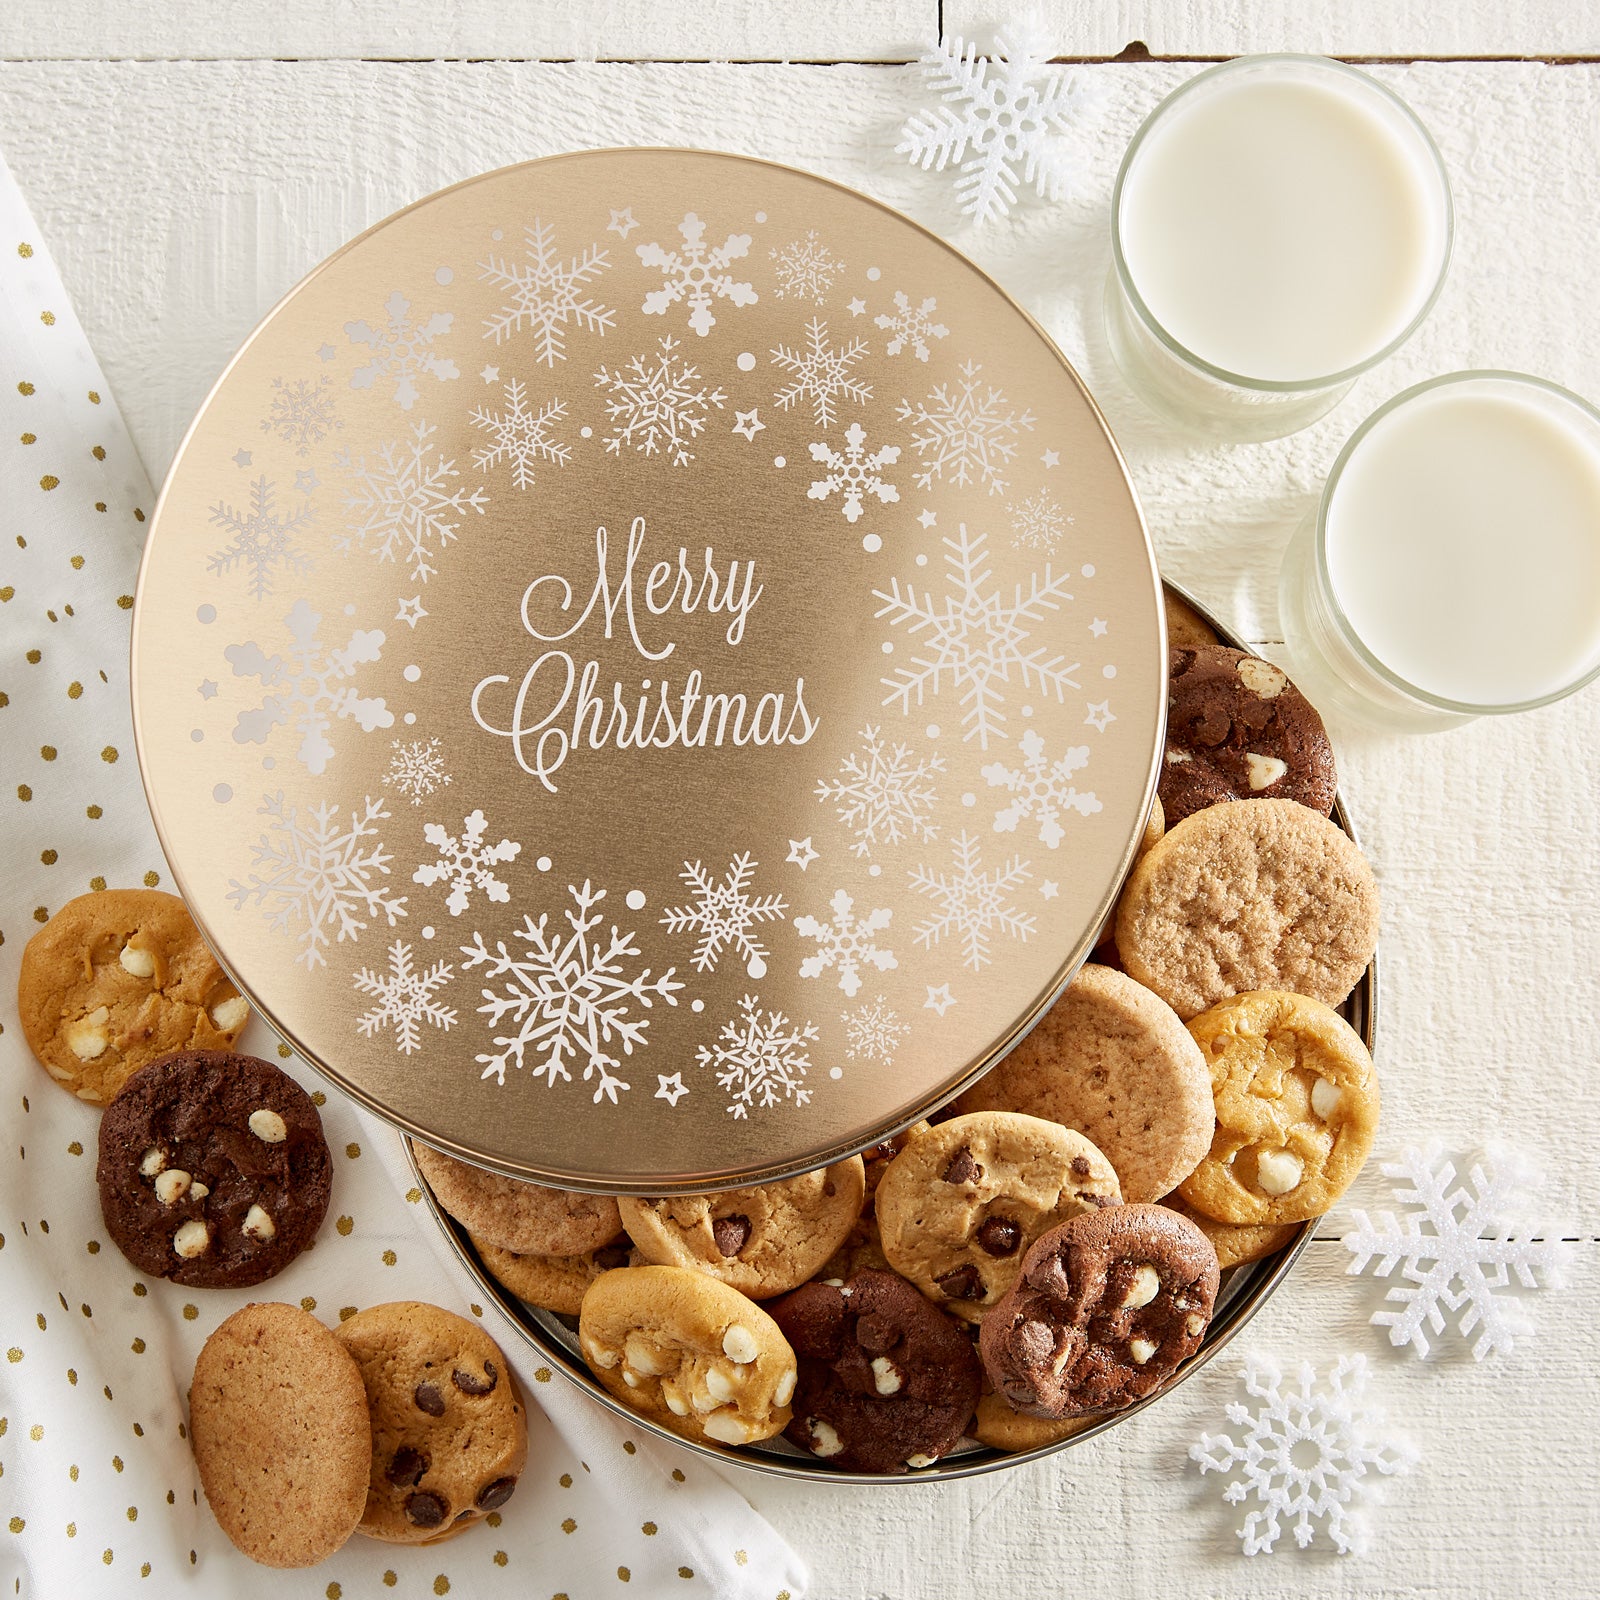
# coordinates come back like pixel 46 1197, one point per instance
pixel 405 996
pixel 301 413
pixel 873 1032
pixel 1306 1453
pixel 416 769
pixel 1461 1248
pixel 847 942
pixel 806 268
pixel 911 325
pixel 660 409
pixel 976 642
pixel 1008 119
pixel 545 295
pixel 308 686
pixel 1041 790
pixel 964 432
pixel 853 473
pixel 973 904
pixel 319 873
pixel 881 794
pixel 822 372
pixel 568 997
pixel 401 350
pixel 405 504
pixel 260 539
pixel 697 274
pixel 760 1060
pixel 1037 523
pixel 520 436
pixel 723 914
pixel 465 862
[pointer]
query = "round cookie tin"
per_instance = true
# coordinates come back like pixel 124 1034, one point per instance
pixel 1244 1290
pixel 648 670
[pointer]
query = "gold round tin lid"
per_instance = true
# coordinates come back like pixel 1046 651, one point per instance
pixel 648 670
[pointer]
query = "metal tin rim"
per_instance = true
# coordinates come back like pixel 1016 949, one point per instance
pixel 1245 1290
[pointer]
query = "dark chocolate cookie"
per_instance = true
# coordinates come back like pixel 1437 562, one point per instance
pixel 1106 1308
pixel 1237 729
pixel 887 1380
pixel 213 1171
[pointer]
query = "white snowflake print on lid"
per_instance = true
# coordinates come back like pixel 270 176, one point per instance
pixel 853 473
pixel 659 409
pixel 873 1031
pixel 416 769
pixel 724 913
pixel 696 274
pixel 760 1059
pixel 261 539
pixel 569 996
pixel 520 436
pixel 805 268
pixel 402 350
pixel 1039 523
pixel 1309 1450
pixel 964 433
pixel 883 793
pixel 465 862
pixel 1463 1251
pixel 301 413
pixel 974 904
pixel 317 878
pixel 911 325
pixel 544 295
pixel 405 996
pixel 1041 791
pixel 821 373
pixel 846 942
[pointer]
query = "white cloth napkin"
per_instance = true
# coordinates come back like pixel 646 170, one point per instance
pixel 97 1485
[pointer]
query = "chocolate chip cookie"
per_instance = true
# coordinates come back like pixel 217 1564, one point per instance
pixel 1112 1060
pixel 278 1420
pixel 960 1205
pixel 1297 1109
pixel 689 1353
pixel 213 1170
pixel 762 1240
pixel 449 1433
pixel 115 979
pixel 525 1217
pixel 554 1283
pixel 1105 1310
pixel 888 1382
pixel 1237 729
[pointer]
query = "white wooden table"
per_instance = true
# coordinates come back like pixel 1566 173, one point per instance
pixel 188 162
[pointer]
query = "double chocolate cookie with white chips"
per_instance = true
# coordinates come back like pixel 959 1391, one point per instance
pixel 1106 1309
pixel 213 1170
pixel 888 1382
pixel 1237 729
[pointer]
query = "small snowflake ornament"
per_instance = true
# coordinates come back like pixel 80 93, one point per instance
pixel 998 118
pixel 1461 1249
pixel 1307 1453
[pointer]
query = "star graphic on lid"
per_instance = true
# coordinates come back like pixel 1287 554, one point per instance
pixel 857 306
pixel 411 611
pixel 305 482
pixel 622 224
pixel 801 853
pixel 1049 888
pixel 1051 458
pixel 208 689
pixel 1098 627
pixel 1100 717
pixel 939 999
pixel 671 1089
pixel 748 423
pixel 241 457
pixel 928 518
pixel 326 352
pixel 490 374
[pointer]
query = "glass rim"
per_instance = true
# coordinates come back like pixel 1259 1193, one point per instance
pixel 1211 369
pixel 1586 411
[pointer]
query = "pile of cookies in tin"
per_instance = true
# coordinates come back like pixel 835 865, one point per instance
pixel 404 1423
pixel 1048 1251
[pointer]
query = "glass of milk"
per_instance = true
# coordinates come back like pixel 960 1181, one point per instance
pixel 1280 224
pixel 1452 568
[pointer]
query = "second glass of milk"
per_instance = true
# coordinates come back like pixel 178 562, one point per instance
pixel 1280 224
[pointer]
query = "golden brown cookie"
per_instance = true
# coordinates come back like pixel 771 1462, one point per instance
pixel 278 1420
pixel 689 1353
pixel 960 1206
pixel 114 980
pixel 1112 1060
pixel 449 1436
pixel 861 1251
pixel 1185 626
pixel 1237 1243
pixel 1250 894
pixel 761 1241
pixel 554 1283
pixel 1297 1109
pixel 525 1217
pixel 1000 1426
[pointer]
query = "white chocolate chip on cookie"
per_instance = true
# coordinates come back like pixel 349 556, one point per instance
pixel 192 1239
pixel 1264 770
pixel 1144 1288
pixel 268 1126
pixel 1325 1098
pixel 1278 1171
pixel 137 963
pixel 231 1015
pixel 171 1185
pixel 88 1039
pixel 1262 678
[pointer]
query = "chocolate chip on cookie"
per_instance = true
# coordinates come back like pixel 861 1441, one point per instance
pixel 1106 1308
pixel 887 1383
pixel 115 980
pixel 449 1433
pixel 213 1170
pixel 1237 729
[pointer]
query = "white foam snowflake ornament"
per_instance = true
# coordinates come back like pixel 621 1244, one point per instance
pixel 1310 1450
pixel 405 996
pixel 465 862
pixel 1461 1249
pixel 999 118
